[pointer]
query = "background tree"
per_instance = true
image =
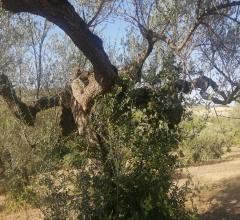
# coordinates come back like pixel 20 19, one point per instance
pixel 146 17
pixel 38 36
pixel 167 48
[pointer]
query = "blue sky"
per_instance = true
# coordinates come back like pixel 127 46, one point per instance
pixel 114 31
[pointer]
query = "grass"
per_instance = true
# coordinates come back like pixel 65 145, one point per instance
pixel 208 136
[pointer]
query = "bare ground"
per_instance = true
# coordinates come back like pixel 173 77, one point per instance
pixel 25 213
pixel 215 191
pixel 216 188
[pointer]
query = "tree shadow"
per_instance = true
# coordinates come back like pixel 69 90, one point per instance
pixel 225 204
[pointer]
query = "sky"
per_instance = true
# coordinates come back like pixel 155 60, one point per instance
pixel 111 32
pixel 114 31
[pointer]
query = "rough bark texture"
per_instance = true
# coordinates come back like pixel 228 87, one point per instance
pixel 84 91
pixel 2 168
pixel 75 115
pixel 77 99
pixel 62 13
pixel 67 121
pixel 27 112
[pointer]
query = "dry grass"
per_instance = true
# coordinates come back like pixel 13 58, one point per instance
pixel 25 213
pixel 224 111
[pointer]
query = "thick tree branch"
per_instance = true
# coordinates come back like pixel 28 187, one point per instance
pixel 24 112
pixel 101 5
pixel 145 55
pixel 62 13
pixel 27 112
pixel 18 108
pixel 81 93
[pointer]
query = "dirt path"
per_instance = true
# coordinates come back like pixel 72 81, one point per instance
pixel 25 213
pixel 216 188
pixel 215 191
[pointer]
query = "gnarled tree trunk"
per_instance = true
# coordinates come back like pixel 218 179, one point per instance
pixel 77 98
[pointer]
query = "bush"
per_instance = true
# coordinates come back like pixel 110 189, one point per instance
pixel 122 169
pixel 207 139
pixel 27 151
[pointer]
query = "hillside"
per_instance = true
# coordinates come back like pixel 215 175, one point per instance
pixel 221 111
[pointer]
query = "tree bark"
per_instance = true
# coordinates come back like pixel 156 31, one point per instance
pixel 62 13
pixel 27 112
pixel 76 101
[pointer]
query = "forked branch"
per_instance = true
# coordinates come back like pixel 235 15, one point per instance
pixel 63 14
pixel 24 112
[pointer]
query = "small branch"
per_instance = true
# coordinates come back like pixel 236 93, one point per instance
pixel 190 34
pixel 63 14
pixel 199 20
pixel 97 13
pixel 219 7
pixel 229 17
pixel 218 69
pixel 167 40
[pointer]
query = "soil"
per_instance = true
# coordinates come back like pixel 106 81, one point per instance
pixel 215 191
pixel 25 213
pixel 216 188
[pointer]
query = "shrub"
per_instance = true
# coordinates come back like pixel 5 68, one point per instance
pixel 206 139
pixel 124 169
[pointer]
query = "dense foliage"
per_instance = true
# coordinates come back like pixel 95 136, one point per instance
pixel 103 119
pixel 209 136
pixel 123 169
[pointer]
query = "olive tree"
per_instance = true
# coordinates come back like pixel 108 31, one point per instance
pixel 202 36
pixel 185 27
